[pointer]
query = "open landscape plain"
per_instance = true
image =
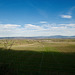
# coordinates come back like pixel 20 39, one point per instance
pixel 37 56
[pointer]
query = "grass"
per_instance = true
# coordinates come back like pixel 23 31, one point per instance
pixel 38 59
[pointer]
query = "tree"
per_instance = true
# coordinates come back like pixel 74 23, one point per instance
pixel 8 43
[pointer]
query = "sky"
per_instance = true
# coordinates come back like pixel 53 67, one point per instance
pixel 28 18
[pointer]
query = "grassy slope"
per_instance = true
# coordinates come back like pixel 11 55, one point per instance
pixel 44 59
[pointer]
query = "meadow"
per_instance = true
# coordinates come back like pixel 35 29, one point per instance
pixel 37 57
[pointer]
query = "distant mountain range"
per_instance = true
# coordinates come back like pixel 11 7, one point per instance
pixel 40 37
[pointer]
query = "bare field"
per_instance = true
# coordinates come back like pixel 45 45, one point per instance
pixel 22 44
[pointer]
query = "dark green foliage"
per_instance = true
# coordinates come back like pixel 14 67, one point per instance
pixel 27 62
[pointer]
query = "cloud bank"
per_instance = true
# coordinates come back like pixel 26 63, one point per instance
pixel 9 30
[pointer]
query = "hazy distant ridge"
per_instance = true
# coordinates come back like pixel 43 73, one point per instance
pixel 38 37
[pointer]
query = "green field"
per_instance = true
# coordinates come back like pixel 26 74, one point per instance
pixel 38 57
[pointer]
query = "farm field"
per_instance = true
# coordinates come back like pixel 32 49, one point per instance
pixel 37 57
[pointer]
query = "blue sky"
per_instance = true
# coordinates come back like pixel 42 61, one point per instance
pixel 37 17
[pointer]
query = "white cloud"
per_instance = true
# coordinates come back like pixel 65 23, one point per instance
pixel 43 22
pixel 32 27
pixel 66 16
pixel 9 25
pixel 57 27
pixel 71 25
pixel 9 29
